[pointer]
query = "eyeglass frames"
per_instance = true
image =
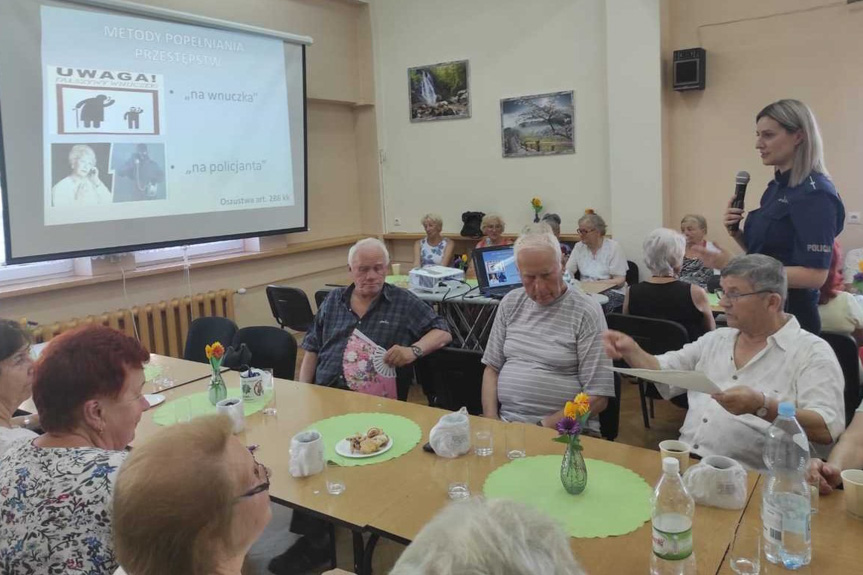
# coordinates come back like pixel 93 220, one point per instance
pixel 733 297
pixel 261 471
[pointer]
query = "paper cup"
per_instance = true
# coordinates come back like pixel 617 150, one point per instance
pixel 233 408
pixel 676 449
pixel 397 269
pixel 307 454
pixel 852 481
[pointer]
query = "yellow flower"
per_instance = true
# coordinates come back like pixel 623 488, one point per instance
pixel 570 410
pixel 464 257
pixel 860 265
pixel 536 203
pixel 216 350
pixel 581 404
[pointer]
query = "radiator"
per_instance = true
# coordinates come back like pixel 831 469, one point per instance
pixel 162 327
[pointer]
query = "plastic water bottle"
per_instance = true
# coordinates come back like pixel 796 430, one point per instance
pixel 785 507
pixel 673 508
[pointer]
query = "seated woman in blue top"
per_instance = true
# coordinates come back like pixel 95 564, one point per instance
pixel 434 249
pixel 800 213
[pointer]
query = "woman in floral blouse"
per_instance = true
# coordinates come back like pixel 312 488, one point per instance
pixel 434 249
pixel 55 490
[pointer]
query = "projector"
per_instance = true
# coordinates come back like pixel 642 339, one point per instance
pixel 429 278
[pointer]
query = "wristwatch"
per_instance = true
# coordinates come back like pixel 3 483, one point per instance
pixel 762 411
pixel 418 351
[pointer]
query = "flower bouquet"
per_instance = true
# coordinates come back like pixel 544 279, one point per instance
pixel 461 262
pixel 536 204
pixel 218 390
pixel 573 471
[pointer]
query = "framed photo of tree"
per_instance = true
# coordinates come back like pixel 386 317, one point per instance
pixel 541 125
pixel 439 91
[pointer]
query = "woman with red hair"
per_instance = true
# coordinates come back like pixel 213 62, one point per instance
pixel 56 490
pixel 839 310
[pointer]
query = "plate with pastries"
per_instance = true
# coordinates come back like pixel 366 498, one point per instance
pixel 361 445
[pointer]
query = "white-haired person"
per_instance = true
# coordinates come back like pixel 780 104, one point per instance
pixel 492 227
pixel 598 258
pixel 434 249
pixel 693 270
pixel 545 345
pixel 800 213
pixel 82 187
pixel 663 295
pixel 489 536
pixel 393 318
pixel 763 358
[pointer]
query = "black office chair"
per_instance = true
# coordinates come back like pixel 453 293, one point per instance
pixel 451 378
pixel 271 348
pixel 204 331
pixel 632 274
pixel 290 307
pixel 609 419
pixel 655 336
pixel 321 295
pixel 847 352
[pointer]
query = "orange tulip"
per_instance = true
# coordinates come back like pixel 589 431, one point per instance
pixel 581 404
pixel 216 350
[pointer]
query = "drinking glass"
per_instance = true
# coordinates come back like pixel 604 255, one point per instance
pixel 182 409
pixel 458 478
pixel 745 555
pixel 269 392
pixel 334 479
pixel 483 444
pixel 515 441
pixel 163 381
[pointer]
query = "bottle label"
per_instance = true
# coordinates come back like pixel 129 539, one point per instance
pixel 771 516
pixel 672 546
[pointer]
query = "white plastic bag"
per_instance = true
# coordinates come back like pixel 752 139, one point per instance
pixel 717 481
pixel 450 437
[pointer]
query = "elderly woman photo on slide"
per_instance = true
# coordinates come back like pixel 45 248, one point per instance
pixel 82 187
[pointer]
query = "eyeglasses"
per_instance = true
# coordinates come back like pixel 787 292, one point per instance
pixel 584 232
pixel 261 471
pixel 733 297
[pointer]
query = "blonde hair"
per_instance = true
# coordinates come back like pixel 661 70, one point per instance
pixel 696 219
pixel 492 219
pixel 174 500
pixel 489 536
pixel 794 116
pixel 432 219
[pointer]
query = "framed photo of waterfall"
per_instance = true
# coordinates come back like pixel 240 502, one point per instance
pixel 439 91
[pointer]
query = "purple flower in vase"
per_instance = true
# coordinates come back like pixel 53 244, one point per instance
pixel 568 426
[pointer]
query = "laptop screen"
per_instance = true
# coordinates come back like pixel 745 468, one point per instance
pixel 495 267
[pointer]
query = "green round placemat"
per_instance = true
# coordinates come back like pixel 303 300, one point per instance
pixel 200 405
pixel 151 372
pixel 404 433
pixel 615 502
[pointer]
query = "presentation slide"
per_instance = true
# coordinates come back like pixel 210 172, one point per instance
pixel 500 268
pixel 145 118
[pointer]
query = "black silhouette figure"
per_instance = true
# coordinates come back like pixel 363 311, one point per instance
pixel 132 117
pixel 93 110
pixel 144 173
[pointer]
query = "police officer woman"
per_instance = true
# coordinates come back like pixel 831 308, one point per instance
pixel 800 213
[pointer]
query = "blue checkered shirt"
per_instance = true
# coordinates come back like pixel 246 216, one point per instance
pixel 396 317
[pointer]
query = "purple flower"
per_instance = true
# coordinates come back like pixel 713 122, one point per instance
pixel 568 426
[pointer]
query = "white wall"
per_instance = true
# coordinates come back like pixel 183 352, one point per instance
pixel 515 48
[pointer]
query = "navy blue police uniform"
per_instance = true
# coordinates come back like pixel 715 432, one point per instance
pixel 797 226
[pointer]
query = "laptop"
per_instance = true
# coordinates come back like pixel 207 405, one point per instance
pixel 496 271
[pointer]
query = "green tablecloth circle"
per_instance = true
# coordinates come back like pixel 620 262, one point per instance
pixel 404 433
pixel 200 405
pixel 616 501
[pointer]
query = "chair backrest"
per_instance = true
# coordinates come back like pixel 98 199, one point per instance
pixel 320 296
pixel 271 348
pixel 452 378
pixel 655 336
pixel 204 331
pixel 632 274
pixel 847 352
pixel 290 307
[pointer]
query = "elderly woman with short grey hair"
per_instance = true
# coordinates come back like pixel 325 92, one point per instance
pixel 598 258
pixel 663 295
pixel 693 270
pixel 434 249
pixel 489 536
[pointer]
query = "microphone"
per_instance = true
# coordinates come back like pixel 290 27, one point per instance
pixel 741 181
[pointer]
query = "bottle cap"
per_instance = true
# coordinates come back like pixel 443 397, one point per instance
pixel 670 465
pixel 786 409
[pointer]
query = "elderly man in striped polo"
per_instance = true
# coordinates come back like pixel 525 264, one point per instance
pixel 546 343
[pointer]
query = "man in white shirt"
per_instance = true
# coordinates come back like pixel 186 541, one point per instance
pixel 761 359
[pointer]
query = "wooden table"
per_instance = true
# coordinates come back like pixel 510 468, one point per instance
pixel 396 498
pixel 836 537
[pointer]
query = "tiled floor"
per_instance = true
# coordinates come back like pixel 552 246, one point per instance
pixel 665 425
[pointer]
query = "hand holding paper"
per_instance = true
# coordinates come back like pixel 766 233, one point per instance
pixel 689 380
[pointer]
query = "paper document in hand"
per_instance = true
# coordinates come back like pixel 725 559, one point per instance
pixel 690 380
